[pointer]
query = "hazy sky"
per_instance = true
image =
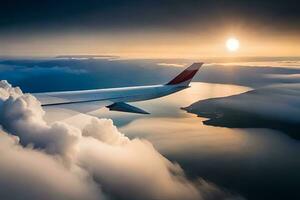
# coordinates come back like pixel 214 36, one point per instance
pixel 140 28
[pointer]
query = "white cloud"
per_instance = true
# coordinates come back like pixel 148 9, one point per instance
pixel 26 173
pixel 104 131
pixel 22 115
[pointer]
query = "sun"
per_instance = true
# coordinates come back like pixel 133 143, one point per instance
pixel 232 44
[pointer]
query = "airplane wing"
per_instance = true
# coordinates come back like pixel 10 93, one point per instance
pixel 116 99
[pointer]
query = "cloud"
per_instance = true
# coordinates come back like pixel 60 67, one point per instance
pixel 26 173
pixel 136 171
pixel 249 74
pixel 284 78
pixel 104 131
pixel 172 64
pixel 280 102
pixel 275 106
pixel 22 115
pixel 96 162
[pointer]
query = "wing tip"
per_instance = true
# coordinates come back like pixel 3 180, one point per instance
pixel 195 66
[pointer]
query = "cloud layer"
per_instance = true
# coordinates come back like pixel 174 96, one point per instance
pixel 275 106
pixel 59 161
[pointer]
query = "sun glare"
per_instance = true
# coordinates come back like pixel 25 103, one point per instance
pixel 232 44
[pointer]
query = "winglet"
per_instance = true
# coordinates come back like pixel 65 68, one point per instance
pixel 185 77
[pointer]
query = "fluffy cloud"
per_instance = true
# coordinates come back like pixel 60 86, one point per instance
pixel 136 170
pixel 26 173
pixel 22 115
pixel 58 161
pixel 104 131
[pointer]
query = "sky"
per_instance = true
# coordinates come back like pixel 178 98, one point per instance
pixel 201 147
pixel 148 29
